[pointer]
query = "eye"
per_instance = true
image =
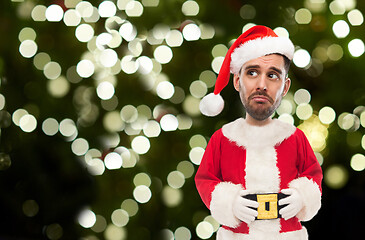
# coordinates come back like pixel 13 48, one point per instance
pixel 273 76
pixel 252 73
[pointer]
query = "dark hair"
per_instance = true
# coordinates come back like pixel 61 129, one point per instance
pixel 286 62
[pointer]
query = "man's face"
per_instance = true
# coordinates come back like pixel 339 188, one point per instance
pixel 262 83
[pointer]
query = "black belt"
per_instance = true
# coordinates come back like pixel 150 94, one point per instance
pixel 268 204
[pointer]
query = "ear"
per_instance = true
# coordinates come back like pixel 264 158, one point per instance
pixel 286 86
pixel 236 82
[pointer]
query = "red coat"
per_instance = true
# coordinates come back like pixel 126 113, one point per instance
pixel 263 159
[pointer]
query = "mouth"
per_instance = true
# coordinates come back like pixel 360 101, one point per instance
pixel 260 99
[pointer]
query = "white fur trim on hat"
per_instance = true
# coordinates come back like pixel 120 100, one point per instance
pixel 260 47
pixel 211 105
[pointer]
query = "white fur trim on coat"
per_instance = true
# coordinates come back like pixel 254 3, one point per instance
pixel 246 135
pixel 311 196
pixel 260 47
pixel 221 204
pixel 224 234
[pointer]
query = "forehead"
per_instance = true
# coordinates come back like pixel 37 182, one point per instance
pixel 272 60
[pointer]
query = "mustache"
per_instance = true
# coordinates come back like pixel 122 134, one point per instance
pixel 261 93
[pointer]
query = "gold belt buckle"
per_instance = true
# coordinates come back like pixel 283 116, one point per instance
pixel 268 206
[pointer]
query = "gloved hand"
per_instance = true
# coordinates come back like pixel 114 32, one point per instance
pixel 294 201
pixel 241 208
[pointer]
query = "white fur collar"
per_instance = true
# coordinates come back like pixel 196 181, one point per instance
pixel 246 135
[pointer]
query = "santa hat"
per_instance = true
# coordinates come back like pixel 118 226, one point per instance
pixel 256 42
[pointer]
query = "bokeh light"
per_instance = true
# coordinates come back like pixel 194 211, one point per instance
pixel 358 162
pixel 248 11
pixel 52 70
pixel 341 29
pixel 130 206
pixel 54 231
pixel 302 96
pixel 301 58
pixel 30 208
pixel 174 38
pixel 175 179
pixel 27 34
pixel 198 89
pixel 191 32
pixel 39 13
pixel 100 224
pixel 120 217
pixel 113 160
pixel 113 232
pixel 182 233
pixel 108 58
pixel 71 18
pixel 80 146
pixel 142 179
pixel 28 48
pixel 28 123
pixel 105 90
pixel 86 218
pixel 316 132
pixel 204 230
pixel 165 90
pixel 163 54
pixel 67 127
pixel 337 7
pixel 356 47
pixel 85 68
pixel 327 115
pixel 58 87
pixel 186 168
pixel 169 123
pixel 304 111
pixel 171 197
pixel 196 155
pixel 107 9
pixel 84 32
pixel 54 13
pixel 355 17
pixel 140 144
pixel 303 16
pixel 142 194
pixel 134 9
pixel 336 176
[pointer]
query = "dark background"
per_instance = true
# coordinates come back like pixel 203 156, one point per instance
pixel 43 168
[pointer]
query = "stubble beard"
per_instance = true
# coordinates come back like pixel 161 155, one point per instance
pixel 259 112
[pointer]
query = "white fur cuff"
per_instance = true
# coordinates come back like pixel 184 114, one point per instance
pixel 311 195
pixel 222 202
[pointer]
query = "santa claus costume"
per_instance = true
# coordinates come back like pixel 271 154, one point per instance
pixel 260 159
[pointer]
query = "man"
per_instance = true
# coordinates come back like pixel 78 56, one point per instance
pixel 259 176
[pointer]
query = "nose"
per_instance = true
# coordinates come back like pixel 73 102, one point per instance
pixel 261 84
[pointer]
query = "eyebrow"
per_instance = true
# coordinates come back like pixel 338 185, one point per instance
pixel 257 66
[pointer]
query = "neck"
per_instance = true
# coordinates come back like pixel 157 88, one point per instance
pixel 254 122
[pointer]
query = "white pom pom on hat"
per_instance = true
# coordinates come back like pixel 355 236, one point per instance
pixel 211 105
pixel 256 42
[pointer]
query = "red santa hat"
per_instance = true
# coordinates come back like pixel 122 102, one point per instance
pixel 256 42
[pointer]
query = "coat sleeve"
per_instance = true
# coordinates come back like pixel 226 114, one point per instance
pixel 217 195
pixel 308 183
